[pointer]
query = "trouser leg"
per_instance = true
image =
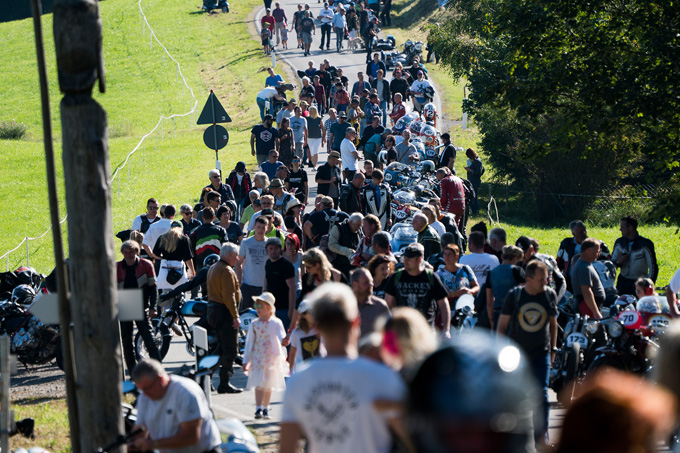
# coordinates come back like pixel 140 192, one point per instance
pixel 144 328
pixel 221 320
pixel 128 345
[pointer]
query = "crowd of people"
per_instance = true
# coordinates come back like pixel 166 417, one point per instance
pixel 356 331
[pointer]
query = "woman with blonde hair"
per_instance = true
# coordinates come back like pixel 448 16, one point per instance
pixel 316 137
pixel 173 248
pixel 407 339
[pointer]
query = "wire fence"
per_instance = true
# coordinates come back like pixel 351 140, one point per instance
pixel 157 129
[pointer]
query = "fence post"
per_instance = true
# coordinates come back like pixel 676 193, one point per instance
pixel 28 263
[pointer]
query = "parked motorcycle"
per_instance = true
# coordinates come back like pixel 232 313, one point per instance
pixel 464 317
pixel 403 234
pixel 33 341
pixel 209 5
pixel 175 317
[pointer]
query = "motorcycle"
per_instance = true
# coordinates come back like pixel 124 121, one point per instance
pixel 655 314
pixel 627 347
pixel 175 317
pixel 209 5
pixel 403 234
pixel 464 317
pixel 412 49
pixel 33 341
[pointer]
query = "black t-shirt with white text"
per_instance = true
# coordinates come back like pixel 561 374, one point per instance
pixel 530 319
pixel 297 180
pixel 420 292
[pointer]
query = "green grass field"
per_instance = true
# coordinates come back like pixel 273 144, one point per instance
pixel 142 85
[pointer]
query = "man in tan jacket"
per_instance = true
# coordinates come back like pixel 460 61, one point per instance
pixel 224 297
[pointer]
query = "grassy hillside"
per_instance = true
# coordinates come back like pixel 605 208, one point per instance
pixel 142 85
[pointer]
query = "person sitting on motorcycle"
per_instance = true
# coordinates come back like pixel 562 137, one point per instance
pixel 417 66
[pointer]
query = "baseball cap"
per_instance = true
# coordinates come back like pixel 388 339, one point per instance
pixel 241 166
pixel 342 115
pixel 176 223
pixel 268 117
pixel 414 250
pixel 273 241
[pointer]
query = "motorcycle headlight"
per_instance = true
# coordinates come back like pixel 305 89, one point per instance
pixel 615 329
pixel 591 326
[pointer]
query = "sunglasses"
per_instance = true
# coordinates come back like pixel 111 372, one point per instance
pixel 153 208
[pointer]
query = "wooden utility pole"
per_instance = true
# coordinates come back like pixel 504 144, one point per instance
pixel 78 44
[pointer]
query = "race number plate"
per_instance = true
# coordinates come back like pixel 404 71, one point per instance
pixel 659 321
pixel 631 319
pixel 577 338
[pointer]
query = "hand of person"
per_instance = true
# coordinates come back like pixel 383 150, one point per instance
pixel 446 335
pixel 246 367
pixel 236 323
pixel 286 340
pixel 467 168
pixel 142 444
pixel 333 179
pixel 623 258
pixel 252 152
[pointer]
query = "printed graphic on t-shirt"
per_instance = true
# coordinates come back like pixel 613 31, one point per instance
pixel 532 317
pixel 330 402
pixel 310 347
pixel 266 136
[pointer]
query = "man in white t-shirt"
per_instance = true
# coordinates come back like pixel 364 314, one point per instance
pixel 480 262
pixel 174 411
pixel 349 154
pixel 252 257
pixel 330 401
pixel 158 229
pixel 671 294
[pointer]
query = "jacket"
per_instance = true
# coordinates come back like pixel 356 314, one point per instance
pixel 642 260
pixel 350 199
pixel 146 280
pixel 453 196
pixel 240 190
pixel 429 239
pixel 387 94
pixel 370 203
pixel 223 287
pixel 344 243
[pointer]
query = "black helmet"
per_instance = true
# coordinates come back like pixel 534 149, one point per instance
pixel 211 259
pixel 474 394
pixel 232 206
pixel 23 294
pixel 27 275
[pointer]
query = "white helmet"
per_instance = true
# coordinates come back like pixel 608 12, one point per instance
pixel 382 157
pixel 429 111
pixel 428 134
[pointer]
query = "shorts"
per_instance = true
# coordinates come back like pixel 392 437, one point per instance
pixel 299 149
pixel 306 37
pixel 265 42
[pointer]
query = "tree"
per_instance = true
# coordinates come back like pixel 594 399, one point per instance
pixel 572 95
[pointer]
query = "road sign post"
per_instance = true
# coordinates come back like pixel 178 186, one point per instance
pixel 215 137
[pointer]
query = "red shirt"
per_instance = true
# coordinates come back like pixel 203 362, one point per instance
pixel 397 112
pixel 453 196
pixel 268 20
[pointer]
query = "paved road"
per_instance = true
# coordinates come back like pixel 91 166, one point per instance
pixel 242 406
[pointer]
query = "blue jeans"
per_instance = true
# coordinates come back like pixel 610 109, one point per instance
pixel 540 369
pixel 339 36
pixel 261 104
pixel 383 107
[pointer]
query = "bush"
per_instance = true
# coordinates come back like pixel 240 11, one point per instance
pixel 11 130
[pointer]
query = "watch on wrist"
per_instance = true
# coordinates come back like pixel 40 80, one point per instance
pixel 555 349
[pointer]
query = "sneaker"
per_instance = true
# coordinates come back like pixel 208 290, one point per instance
pixel 265 414
pixel 258 413
pixel 321 47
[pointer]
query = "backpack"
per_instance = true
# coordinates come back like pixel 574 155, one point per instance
pixel 146 223
pixel 428 272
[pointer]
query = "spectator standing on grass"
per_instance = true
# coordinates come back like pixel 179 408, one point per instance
pixel 475 170
pixel 585 281
pixel 286 147
pixel 635 256
pixel 280 17
pixel 326 18
pixel 240 183
pixel 385 14
pixel 448 156
pixel 274 79
pixel 340 381
pixel 252 258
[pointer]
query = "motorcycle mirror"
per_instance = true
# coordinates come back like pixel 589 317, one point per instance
pixel 208 362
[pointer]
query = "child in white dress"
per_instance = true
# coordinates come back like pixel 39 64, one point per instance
pixel 264 358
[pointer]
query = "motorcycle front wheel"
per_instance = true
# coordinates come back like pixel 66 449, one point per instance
pixel 162 338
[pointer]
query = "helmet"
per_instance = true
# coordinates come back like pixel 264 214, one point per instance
pixel 412 116
pixel 418 143
pixel 428 134
pixel 23 294
pixel 401 125
pixel 415 127
pixel 418 190
pixel 382 157
pixel 471 368
pixel 427 166
pixel 211 259
pixel 232 206
pixel 625 300
pixel 27 276
pixel 429 111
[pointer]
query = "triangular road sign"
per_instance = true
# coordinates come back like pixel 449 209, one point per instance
pixel 213 112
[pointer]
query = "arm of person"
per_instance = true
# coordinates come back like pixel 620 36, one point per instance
pixel 190 265
pixel 589 299
pixel 553 338
pixel 289 437
pixel 560 283
pixel 391 300
pixel 239 267
pixel 189 434
pixel 445 311
pixel 307 227
pixel 451 162
pixel 503 322
pixel 489 305
pixel 334 243
pixel 331 137
pixel 252 144
pixel 474 288
pixel 149 252
pixel 292 291
pixel 672 302
pixel 291 358
pixel 305 190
